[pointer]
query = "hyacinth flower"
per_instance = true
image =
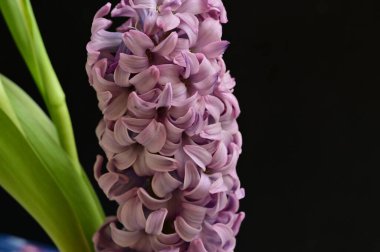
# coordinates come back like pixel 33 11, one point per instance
pixel 169 129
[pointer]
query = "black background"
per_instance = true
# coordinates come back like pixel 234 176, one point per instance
pixel 307 81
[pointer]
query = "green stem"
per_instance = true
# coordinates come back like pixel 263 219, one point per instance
pixel 56 103
pixel 21 21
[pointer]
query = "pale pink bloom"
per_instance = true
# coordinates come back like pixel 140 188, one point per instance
pixel 169 129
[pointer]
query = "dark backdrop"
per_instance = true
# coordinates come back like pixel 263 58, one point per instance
pixel 307 75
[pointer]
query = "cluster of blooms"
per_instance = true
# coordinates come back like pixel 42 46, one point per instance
pixel 169 129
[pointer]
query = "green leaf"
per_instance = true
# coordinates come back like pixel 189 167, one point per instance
pixel 6 106
pixel 17 14
pixel 22 24
pixel 36 171
pixel 16 100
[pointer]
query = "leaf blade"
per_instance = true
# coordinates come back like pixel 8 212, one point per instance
pixel 45 154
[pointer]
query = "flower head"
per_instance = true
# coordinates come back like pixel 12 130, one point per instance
pixel 169 129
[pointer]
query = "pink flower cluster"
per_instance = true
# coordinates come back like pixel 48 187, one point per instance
pixel 169 129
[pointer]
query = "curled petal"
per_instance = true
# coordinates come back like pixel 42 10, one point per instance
pixel 206 86
pixel 206 69
pixel 155 222
pixel 193 6
pixel 174 133
pixel 98 167
pixel 217 203
pixel 180 93
pixel 189 61
pixel 173 139
pixel 214 107
pixel 135 124
pixel 192 176
pixel 236 226
pixel 140 108
pixel 104 99
pixel 133 63
pixel 215 49
pixel 163 183
pixel 217 10
pixel 127 158
pixel 170 5
pixel 193 214
pixel 197 246
pixel 181 107
pixel 201 191
pixel 146 80
pixel 166 242
pixel 170 148
pixel 231 110
pixel 226 236
pixel 228 83
pixel 198 154
pixel 240 194
pixel 121 134
pixel 153 137
pixel 218 186
pixel 124 238
pixel 121 77
pixel 140 166
pixel 97 40
pixel 210 31
pixel 184 230
pixel 169 239
pixel 166 96
pixel 150 202
pixel 167 45
pixel 169 73
pixel 238 140
pixel 150 22
pixel 99 83
pixel 107 181
pixel 219 158
pixel 108 143
pixel 131 215
pixel 212 131
pixel 117 187
pixel 102 239
pixel 167 20
pixel 161 247
pixel 160 163
pixel 143 4
pixel 123 10
pixel 189 24
pixel 211 146
pixel 103 11
pixel 232 158
pixel 183 44
pixel 185 121
pixel 151 96
pixel 100 129
pixel 117 106
pixel 104 40
pixel 231 183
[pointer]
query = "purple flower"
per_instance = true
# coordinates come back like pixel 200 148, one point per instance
pixel 169 129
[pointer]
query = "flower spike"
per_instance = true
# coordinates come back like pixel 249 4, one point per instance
pixel 169 129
